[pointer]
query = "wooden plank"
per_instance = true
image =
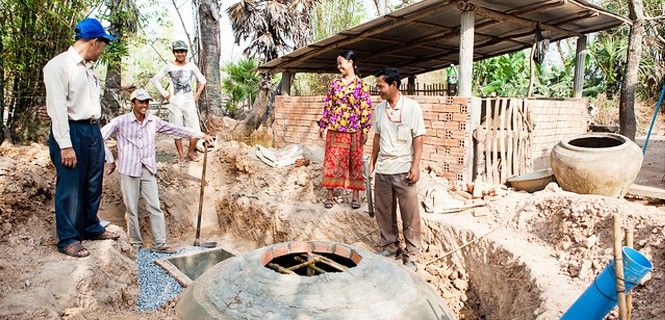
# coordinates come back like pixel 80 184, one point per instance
pixel 502 139
pixel 495 143
pixel 645 191
pixel 529 132
pixel 511 123
pixel 499 16
pixel 488 159
pixel 518 134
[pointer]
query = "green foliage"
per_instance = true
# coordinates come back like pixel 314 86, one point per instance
pixel 329 17
pixel 333 16
pixel 555 81
pixel 652 63
pixel 32 32
pixel 506 75
pixel 240 83
pixel 605 63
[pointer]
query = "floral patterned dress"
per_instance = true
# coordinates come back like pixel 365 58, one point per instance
pixel 347 116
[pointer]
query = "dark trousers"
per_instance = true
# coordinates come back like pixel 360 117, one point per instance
pixel 78 190
pixel 389 191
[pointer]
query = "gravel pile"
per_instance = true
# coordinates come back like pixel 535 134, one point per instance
pixel 155 285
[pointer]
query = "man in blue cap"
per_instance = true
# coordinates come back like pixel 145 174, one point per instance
pixel 76 145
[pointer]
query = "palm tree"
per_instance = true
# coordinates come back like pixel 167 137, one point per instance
pixel 272 28
pixel 240 83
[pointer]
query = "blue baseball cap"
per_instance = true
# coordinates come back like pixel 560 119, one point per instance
pixel 90 28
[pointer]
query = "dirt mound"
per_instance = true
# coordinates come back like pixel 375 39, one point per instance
pixel 38 282
pixel 27 185
pixel 579 229
pixel 248 204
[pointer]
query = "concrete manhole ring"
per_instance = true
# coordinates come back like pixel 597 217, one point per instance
pixel 246 287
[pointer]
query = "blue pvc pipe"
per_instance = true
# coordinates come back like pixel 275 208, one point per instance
pixel 601 296
pixel 653 120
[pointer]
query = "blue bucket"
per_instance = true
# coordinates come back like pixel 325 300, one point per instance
pixel 601 296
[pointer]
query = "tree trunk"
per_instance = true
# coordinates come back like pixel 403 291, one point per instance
pixel 2 93
pixel 262 110
pixel 113 83
pixel 209 55
pixel 627 123
pixel 381 7
pixel 112 87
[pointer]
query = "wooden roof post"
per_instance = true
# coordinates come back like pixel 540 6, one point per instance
pixel 411 86
pixel 580 55
pixel 467 30
pixel 287 81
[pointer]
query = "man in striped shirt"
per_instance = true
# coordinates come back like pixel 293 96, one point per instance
pixel 135 132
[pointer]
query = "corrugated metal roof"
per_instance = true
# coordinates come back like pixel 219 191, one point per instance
pixel 425 36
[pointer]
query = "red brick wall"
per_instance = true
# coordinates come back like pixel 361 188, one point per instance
pixel 447 120
pixel 555 120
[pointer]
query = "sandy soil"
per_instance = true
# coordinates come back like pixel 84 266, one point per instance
pixel 545 247
pixel 653 165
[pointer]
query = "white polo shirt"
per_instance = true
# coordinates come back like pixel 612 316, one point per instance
pixel 397 128
pixel 72 93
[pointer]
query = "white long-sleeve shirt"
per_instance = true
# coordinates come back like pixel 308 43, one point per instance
pixel 72 93
pixel 181 80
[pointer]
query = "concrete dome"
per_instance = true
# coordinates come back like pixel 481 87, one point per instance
pixel 371 287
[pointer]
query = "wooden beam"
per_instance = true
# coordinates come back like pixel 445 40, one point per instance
pixel 285 89
pixel 580 55
pixel 466 53
pixel 500 16
pixel 601 11
pixel 537 7
pixel 576 17
pixel 428 39
pixel 392 23
pixel 434 25
pixel 411 85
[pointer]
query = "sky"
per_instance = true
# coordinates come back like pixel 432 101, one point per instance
pixel 230 52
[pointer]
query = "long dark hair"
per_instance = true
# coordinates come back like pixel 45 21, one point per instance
pixel 350 55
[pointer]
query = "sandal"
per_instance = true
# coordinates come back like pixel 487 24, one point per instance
pixel 355 204
pixel 106 235
pixel 76 250
pixel 328 204
pixel 164 249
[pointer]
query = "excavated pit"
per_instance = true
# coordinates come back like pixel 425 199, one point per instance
pixel 187 267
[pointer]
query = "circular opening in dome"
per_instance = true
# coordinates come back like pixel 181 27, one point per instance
pixel 310 258
pixel 596 142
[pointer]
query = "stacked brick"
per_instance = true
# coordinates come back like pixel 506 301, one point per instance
pixel 447 121
pixel 555 120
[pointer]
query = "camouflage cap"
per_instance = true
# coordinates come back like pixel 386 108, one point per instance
pixel 179 45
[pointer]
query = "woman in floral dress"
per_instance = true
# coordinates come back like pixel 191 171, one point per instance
pixel 347 116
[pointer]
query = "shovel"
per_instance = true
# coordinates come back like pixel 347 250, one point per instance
pixel 368 187
pixel 197 241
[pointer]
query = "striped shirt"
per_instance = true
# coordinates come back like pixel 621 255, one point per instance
pixel 136 141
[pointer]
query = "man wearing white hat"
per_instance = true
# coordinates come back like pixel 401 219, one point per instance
pixel 136 132
pixel 182 111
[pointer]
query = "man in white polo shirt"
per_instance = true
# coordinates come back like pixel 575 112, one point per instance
pixel 75 144
pixel 398 142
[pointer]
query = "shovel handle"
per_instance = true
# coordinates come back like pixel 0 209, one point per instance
pixel 203 185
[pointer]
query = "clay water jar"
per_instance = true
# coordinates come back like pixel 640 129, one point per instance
pixel 596 163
